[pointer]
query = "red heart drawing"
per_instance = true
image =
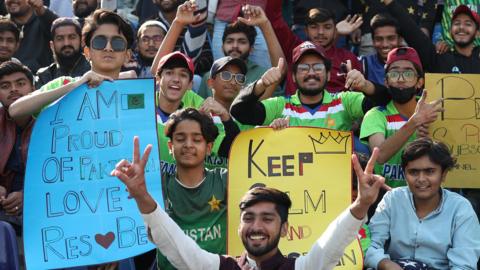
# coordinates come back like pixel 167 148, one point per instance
pixel 105 240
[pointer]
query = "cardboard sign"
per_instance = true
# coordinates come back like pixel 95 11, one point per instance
pixel 75 213
pixel 459 125
pixel 313 165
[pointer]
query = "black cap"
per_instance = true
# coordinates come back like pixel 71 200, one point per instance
pixel 220 63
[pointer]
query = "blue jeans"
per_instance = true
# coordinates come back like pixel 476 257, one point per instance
pixel 259 54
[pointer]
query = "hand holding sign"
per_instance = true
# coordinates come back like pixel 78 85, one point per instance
pixel 94 79
pixel 133 176
pixel 369 185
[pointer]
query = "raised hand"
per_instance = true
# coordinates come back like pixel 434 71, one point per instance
pixel 426 113
pixel 355 79
pixel 369 185
pixel 273 75
pixel 349 24
pixel 185 13
pixel 133 174
pixel 253 15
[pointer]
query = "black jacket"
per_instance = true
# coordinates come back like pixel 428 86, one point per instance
pixel 449 62
pixel 46 74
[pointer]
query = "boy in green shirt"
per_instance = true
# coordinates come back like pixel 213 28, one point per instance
pixel 390 127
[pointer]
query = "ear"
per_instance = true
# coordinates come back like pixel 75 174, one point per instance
pixel 284 229
pixel 86 52
pixel 420 82
pixel 328 76
pixel 170 147
pixel 52 47
pixel 209 148
pixel 444 175
pixel 128 56
pixel 210 83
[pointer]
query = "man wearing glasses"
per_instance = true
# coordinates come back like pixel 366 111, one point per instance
pixel 403 119
pixel 312 105
pixel 108 39
pixel 149 37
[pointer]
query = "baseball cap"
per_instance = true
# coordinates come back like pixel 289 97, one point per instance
pixel 220 63
pixel 404 53
pixel 307 47
pixel 176 55
pixel 463 9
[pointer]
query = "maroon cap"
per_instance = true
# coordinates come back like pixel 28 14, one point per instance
pixel 307 47
pixel 176 55
pixel 463 9
pixel 404 53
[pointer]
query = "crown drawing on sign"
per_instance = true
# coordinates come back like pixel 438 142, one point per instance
pixel 330 144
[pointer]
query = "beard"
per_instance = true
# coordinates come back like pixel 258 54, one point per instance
pixel 260 251
pixel 147 61
pixel 311 92
pixel 244 56
pixel 167 8
pixel 67 60
pixel 464 44
pixel 83 12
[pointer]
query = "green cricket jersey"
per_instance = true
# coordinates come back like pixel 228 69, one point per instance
pixel 201 212
pixel 386 120
pixel 337 111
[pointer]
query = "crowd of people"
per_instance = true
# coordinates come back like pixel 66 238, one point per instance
pixel 224 66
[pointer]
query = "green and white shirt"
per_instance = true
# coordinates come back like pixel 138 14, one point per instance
pixel 337 111
pixel 200 211
pixel 386 120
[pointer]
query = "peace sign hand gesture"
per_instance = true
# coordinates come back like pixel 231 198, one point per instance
pixel 133 176
pixel 369 185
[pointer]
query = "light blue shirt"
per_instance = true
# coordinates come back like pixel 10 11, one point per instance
pixel 447 238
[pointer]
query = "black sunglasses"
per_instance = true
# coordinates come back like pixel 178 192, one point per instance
pixel 117 43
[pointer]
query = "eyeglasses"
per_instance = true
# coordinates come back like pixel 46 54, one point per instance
pixel 117 43
pixel 155 39
pixel 305 68
pixel 227 76
pixel 407 75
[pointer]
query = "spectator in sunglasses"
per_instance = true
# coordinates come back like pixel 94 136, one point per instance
pixel 108 39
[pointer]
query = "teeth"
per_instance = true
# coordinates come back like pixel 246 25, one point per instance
pixel 257 237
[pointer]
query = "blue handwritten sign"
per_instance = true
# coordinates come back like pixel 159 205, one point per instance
pixel 75 213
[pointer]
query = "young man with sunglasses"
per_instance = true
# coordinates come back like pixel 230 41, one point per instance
pixel 108 39
pixel 390 127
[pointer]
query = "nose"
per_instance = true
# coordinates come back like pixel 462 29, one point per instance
pixel 151 42
pixel 108 47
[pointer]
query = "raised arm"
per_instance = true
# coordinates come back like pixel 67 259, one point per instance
pixel 185 16
pixel 180 249
pixel 255 16
pixel 34 102
pixel 328 249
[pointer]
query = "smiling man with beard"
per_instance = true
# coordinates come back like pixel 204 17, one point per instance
pixel 312 105
pixel 465 58
pixel 66 48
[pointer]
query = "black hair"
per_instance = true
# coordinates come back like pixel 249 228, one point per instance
pixel 382 20
pixel 239 27
pixel 437 152
pixel 66 21
pixel 319 15
pixel 7 25
pixel 175 63
pixel 103 16
pixel 266 194
pixel 208 128
pixel 10 67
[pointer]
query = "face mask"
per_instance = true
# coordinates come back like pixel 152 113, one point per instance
pixel 402 96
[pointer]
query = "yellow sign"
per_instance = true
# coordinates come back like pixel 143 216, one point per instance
pixel 459 125
pixel 313 165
